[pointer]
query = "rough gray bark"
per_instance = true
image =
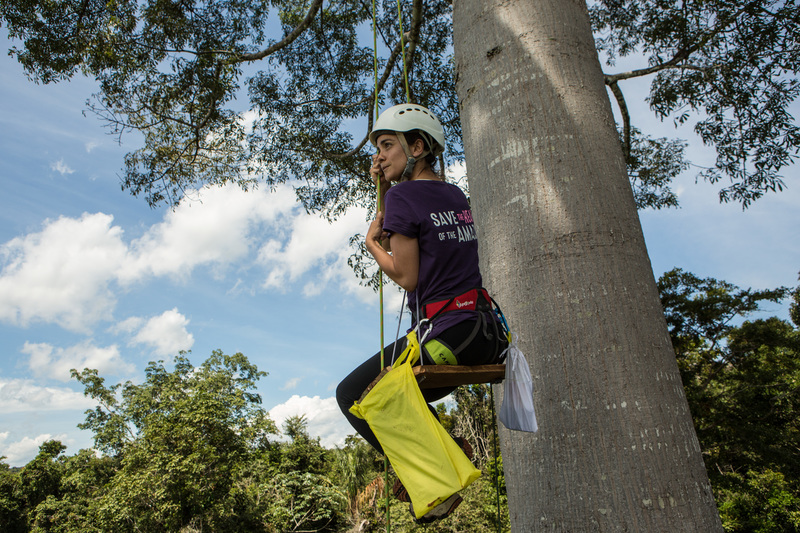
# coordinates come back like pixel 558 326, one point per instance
pixel 562 249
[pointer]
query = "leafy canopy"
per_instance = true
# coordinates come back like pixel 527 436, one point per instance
pixel 213 403
pixel 742 381
pixel 280 91
pixel 177 72
pixel 731 65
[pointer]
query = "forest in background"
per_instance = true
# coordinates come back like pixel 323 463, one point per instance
pixel 191 448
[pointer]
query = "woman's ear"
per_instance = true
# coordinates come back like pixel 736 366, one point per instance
pixel 417 148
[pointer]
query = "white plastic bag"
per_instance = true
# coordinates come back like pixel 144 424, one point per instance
pixel 517 409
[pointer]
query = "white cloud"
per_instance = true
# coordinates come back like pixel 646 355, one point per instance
pixel 23 451
pixel 61 167
pixel 165 333
pixel 316 244
pixel 23 395
pixel 217 228
pixel 62 274
pixel 457 173
pixel 48 361
pixel 70 273
pixel 325 420
pixel 129 325
pixel 91 145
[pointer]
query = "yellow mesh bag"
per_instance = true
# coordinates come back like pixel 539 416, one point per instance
pixel 428 462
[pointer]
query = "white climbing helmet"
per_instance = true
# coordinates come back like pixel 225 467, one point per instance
pixel 408 117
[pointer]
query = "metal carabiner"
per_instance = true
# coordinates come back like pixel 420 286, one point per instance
pixel 421 338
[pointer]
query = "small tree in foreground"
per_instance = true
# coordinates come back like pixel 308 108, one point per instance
pixel 182 438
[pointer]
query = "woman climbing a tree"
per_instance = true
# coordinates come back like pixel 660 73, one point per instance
pixel 424 240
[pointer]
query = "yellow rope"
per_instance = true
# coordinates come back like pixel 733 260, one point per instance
pixel 403 50
pixel 379 207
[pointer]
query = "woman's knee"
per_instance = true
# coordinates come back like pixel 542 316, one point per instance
pixel 344 395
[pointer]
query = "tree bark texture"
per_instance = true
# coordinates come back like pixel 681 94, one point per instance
pixel 563 252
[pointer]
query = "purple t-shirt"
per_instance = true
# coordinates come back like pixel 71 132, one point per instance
pixel 438 215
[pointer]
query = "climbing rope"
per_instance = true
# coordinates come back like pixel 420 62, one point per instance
pixel 403 50
pixel 378 208
pixel 494 451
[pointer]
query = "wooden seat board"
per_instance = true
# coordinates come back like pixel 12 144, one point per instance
pixel 435 376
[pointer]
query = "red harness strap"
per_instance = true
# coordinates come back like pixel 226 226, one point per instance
pixel 464 302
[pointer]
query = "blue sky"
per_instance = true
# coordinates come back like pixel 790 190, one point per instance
pixel 90 276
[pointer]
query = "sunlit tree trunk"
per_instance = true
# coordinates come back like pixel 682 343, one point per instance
pixel 562 250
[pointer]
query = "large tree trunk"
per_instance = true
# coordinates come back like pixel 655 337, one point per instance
pixel 562 249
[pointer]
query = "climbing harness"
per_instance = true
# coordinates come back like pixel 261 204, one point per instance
pixel 467 301
pixel 478 301
pixel 446 372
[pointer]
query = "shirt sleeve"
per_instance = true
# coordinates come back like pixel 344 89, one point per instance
pixel 400 215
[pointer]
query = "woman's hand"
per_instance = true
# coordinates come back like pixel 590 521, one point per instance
pixel 375 233
pixel 402 265
pixel 379 178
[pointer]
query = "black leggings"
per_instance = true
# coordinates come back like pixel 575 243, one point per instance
pixel 483 350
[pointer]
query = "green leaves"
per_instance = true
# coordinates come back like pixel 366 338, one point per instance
pixel 174 72
pixel 652 165
pixel 182 438
pixel 733 65
pixel 764 502
pixel 701 310
pixel 742 381
pixel 191 452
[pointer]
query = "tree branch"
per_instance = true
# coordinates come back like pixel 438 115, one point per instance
pixel 626 117
pixel 355 150
pixel 286 41
pixel 683 53
pixel 413 38
pixel 413 33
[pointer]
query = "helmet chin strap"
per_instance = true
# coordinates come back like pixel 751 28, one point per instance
pixel 411 161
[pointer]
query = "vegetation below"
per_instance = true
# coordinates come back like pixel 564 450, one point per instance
pixel 192 449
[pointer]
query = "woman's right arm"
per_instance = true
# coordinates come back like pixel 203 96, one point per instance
pixel 402 265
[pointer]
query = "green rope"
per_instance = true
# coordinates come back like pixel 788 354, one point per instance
pixel 403 50
pixel 379 207
pixel 496 465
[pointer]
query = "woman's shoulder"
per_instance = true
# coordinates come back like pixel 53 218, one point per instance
pixel 426 191
pixel 427 184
